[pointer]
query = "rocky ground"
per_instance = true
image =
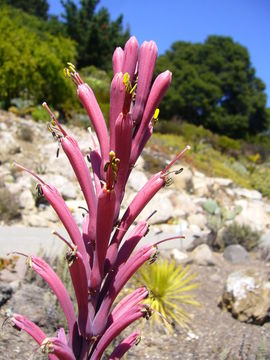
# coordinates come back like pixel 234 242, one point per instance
pixel 183 207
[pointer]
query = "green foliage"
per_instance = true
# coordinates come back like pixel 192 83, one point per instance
pixel 214 84
pixel 38 8
pixel 96 35
pixel 260 180
pixel 240 234
pixel 170 287
pixel 32 61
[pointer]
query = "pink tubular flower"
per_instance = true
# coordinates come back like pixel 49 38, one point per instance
pixel 89 101
pixel 130 57
pixel 159 88
pixel 146 65
pixel 22 323
pixel 105 210
pixel 47 273
pixel 118 93
pixel 124 346
pixel 117 60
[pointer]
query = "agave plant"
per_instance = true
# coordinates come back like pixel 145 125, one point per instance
pixel 100 262
pixel 170 288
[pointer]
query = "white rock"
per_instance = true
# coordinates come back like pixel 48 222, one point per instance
pixel 26 200
pixel 66 188
pixel 199 220
pixel 253 214
pixel 222 181
pixel 164 208
pixel 137 180
pixel 179 255
pixel 203 255
pixel 249 194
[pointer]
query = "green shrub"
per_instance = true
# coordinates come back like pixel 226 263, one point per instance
pixel 240 234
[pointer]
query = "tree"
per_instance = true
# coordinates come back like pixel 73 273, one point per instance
pixel 214 84
pixel 32 60
pixel 96 35
pixel 38 8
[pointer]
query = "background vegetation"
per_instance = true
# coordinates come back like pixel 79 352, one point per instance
pixel 216 102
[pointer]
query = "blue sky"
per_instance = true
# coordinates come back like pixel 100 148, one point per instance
pixel 246 21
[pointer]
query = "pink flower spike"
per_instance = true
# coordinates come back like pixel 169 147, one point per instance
pixel 58 348
pixel 146 65
pixel 158 90
pixel 124 346
pixel 47 273
pixel 22 323
pixel 105 217
pixel 114 330
pixel 117 99
pixel 89 101
pixel 130 57
pixel 117 60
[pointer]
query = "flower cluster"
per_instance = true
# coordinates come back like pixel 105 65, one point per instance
pixel 100 261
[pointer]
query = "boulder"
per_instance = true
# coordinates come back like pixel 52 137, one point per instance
pixel 203 255
pixel 199 220
pixel 253 213
pixel 247 296
pixel 235 254
pixel 179 255
pixel 264 246
pixel 248 194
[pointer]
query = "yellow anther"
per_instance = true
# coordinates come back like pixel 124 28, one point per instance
pixel 156 114
pixel 71 66
pixel 112 154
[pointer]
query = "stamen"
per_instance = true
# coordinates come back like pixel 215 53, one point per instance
pixel 54 120
pixel 63 239
pixel 22 168
pixel 179 156
pixel 111 168
pixel 73 74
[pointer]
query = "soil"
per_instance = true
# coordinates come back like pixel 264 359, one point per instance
pixel 213 333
